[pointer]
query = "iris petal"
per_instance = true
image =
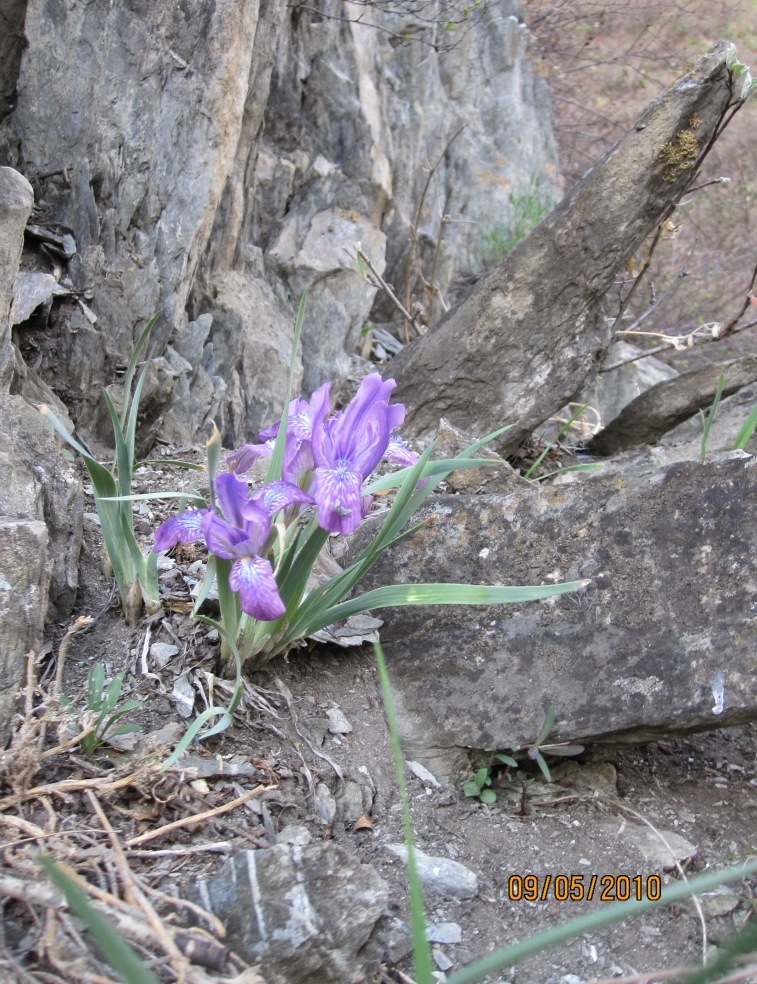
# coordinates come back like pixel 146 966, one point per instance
pixel 232 494
pixel 398 450
pixel 253 578
pixel 184 528
pixel 222 538
pixel 338 493
pixel 279 495
pixel 245 457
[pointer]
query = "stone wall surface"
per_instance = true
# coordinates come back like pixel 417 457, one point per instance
pixel 213 163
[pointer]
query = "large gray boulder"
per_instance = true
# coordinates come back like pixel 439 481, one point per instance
pixel 660 642
pixel 41 511
pixel 16 200
pixel 42 502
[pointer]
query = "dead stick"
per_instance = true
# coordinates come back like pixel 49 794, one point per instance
pixel 67 786
pixel 133 891
pixel 196 817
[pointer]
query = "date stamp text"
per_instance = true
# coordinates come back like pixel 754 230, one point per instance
pixel 583 888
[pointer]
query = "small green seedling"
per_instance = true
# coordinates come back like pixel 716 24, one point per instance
pixel 588 466
pixel 103 711
pixel 487 779
pixel 744 435
pixel 136 573
pixel 708 420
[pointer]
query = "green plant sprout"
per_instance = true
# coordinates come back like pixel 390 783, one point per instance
pixel 103 711
pixel 500 240
pixel 483 785
pixel 745 433
pixel 587 466
pixel 710 418
pixel 135 572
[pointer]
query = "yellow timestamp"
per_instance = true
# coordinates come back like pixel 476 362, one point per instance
pixel 583 888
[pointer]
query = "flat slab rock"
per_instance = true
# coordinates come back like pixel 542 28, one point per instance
pixel 662 641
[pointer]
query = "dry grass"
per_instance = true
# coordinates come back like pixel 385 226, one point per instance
pixel 94 818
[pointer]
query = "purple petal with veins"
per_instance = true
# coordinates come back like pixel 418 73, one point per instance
pixel 187 527
pixel 397 450
pixel 279 495
pixel 253 578
pixel 232 494
pixel 338 492
pixel 225 540
pixel 244 458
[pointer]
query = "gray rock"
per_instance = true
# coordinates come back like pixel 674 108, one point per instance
pixel 354 801
pixel 684 442
pixel 660 642
pixel 30 291
pixel 661 849
pixel 441 875
pixel 162 652
pixel 252 344
pixel 39 483
pixel 441 959
pixel 671 402
pixel 618 383
pixel 422 773
pixel 448 932
pixel 12 44
pixel 23 603
pixel 16 200
pixel 150 149
pixel 470 368
pixel 304 913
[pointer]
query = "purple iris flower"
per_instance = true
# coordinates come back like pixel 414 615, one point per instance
pixel 239 535
pixel 298 455
pixel 346 449
pixel 332 456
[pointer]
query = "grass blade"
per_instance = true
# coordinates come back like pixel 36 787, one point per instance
pixel 276 462
pixel 421 952
pixel 116 951
pixel 710 419
pixel 747 430
pixel 132 366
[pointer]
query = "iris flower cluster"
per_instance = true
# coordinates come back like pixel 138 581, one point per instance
pixel 327 458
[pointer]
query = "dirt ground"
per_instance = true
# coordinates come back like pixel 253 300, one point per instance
pixel 703 789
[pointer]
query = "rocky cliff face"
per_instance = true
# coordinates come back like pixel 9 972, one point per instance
pixel 214 162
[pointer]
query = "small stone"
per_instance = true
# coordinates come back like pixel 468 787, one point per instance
pixel 304 913
pixel 441 959
pixel 447 932
pixel 422 773
pixel 338 723
pixel 354 801
pixel 662 848
pixel 441 875
pixel 161 652
pixel 325 804
pixel 396 939
pixel 718 903
pixel 294 835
